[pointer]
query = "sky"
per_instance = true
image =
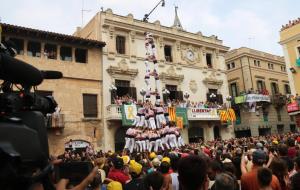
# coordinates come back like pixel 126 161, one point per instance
pixel 239 23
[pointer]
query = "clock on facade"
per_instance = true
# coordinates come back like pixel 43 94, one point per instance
pixel 190 55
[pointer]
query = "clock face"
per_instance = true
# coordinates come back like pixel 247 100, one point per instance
pixel 190 55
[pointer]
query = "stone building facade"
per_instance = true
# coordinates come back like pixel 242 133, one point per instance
pixel 188 63
pixel 254 72
pixel 78 93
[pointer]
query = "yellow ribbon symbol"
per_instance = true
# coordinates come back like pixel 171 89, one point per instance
pixel 130 112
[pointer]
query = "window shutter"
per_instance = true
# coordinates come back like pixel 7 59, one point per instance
pixel 90 107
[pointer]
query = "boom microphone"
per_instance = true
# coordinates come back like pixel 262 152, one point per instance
pixel 52 74
pixel 19 72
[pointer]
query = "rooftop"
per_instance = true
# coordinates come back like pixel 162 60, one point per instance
pixel 24 31
pixel 290 24
pixel 245 50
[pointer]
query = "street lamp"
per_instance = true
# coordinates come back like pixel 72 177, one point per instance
pixel 212 97
pixel 166 92
pixel 146 17
pixel 143 93
pixel 228 99
pixel 112 88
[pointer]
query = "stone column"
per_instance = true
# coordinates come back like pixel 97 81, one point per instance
pixel 111 44
pixel 132 47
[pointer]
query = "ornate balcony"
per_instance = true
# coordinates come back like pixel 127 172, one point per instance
pixel 279 100
pixel 113 112
pixel 54 121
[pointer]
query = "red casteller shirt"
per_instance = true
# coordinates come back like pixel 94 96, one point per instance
pixel 118 175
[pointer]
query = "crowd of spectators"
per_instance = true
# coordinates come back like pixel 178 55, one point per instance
pixel 126 99
pixel 290 24
pixel 252 163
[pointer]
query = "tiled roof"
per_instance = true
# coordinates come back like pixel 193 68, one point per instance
pixel 24 31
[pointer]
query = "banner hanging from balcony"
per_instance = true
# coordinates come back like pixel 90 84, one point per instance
pixel 257 98
pixel 252 98
pixel 292 107
pixel 181 116
pixel 178 115
pixel 128 114
pixel 227 116
pixel 203 114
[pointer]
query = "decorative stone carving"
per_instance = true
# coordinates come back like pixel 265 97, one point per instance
pixel 212 80
pixel 132 36
pixel 193 86
pixel 111 31
pixel 122 71
pixel 171 75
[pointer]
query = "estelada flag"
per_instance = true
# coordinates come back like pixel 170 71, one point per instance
pixel 172 113
pixel 179 122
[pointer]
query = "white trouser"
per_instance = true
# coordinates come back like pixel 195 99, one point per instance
pixel 157 84
pixel 138 145
pixel 147 123
pixel 180 141
pixel 131 144
pixel 158 144
pixel 152 145
pixel 143 145
pixel 156 67
pixel 127 142
pixel 160 118
pixel 152 123
pixel 136 121
pixel 165 142
pixel 172 140
pixel 147 144
pixel 142 121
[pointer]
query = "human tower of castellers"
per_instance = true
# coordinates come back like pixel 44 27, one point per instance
pixel 152 129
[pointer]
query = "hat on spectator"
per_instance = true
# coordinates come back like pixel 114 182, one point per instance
pixel 259 156
pixel 156 162
pixel 259 145
pixel 126 159
pixel 135 167
pixel 275 142
pixel 166 159
pixel 160 157
pixel 152 155
pixel 114 185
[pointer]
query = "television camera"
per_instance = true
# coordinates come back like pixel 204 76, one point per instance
pixel 24 151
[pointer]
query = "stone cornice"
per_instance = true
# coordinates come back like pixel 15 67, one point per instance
pixel 212 81
pixel 172 36
pixel 166 76
pixel 122 70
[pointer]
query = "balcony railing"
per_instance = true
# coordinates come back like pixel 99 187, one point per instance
pixel 113 112
pixel 55 121
pixel 279 100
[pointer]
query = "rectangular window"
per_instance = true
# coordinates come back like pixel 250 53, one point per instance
pixel 19 45
pixel 255 64
pixel 120 44
pixel 228 66
pixel 287 89
pixel 292 118
pixel 90 106
pixel 122 83
pixel 209 60
pixel 278 114
pixel 168 53
pixel 274 87
pixel 258 63
pixel 260 85
pixel 50 51
pixel 81 55
pixel 280 129
pixel 232 65
pixel 293 128
pixel 173 92
pixel 234 91
pixel 66 53
pixel 34 49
